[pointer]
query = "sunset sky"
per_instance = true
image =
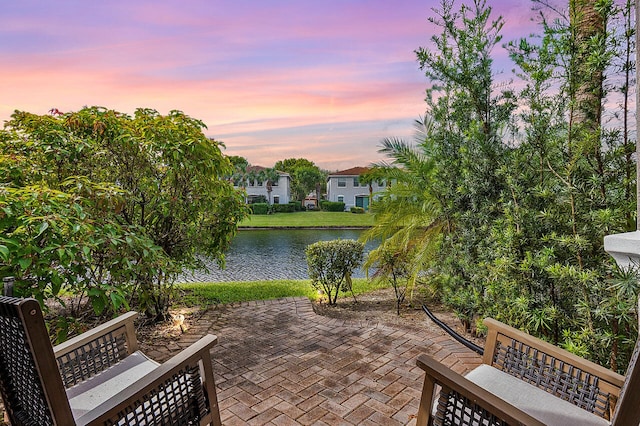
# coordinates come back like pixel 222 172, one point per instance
pixel 323 80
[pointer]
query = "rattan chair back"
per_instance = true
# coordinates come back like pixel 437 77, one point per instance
pixel 30 382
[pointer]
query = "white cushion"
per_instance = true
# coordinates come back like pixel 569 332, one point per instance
pixel 534 401
pixel 87 395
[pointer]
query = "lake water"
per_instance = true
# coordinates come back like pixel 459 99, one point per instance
pixel 271 254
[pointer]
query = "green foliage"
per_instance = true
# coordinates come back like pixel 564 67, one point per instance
pixel 394 266
pixel 238 162
pixel 115 205
pixel 331 264
pixel 290 164
pixel 283 208
pixel 506 196
pixel 259 208
pixel 52 240
pixel 358 210
pixel 332 206
pixel 305 176
pixel 408 215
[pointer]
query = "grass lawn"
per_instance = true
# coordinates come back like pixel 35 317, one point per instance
pixel 228 292
pixel 308 219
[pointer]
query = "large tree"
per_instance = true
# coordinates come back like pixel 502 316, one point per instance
pixel 170 179
pixel 305 176
pixel 528 183
pixel 469 115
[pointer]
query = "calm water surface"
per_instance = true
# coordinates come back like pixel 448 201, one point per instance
pixel 271 255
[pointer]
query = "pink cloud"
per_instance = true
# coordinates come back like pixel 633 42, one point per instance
pixel 272 79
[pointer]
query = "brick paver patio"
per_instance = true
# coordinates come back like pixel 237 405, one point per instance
pixel 278 363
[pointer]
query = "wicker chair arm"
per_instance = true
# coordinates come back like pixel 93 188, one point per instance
pixel 125 320
pixel 476 397
pixel 160 380
pixel 498 330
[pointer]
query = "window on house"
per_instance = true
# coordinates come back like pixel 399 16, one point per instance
pixel 356 182
pixel 276 199
pixel 275 182
pixel 342 182
pixel 381 183
pixel 341 198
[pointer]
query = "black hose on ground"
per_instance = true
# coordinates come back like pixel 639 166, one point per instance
pixel 452 332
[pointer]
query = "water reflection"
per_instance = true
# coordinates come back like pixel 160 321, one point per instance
pixel 271 255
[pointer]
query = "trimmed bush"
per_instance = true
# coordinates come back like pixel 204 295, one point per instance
pixel 259 208
pixel 283 208
pixel 331 264
pixel 297 205
pixel 358 210
pixel 333 206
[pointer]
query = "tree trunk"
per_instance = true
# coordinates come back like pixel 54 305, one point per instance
pixel 318 195
pixel 587 24
pixel 586 91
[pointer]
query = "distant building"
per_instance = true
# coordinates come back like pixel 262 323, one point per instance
pixel 256 188
pixel 345 187
pixel 310 202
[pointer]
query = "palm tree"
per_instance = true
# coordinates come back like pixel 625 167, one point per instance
pixel 408 215
pixel 588 35
pixel 270 176
pixel 240 176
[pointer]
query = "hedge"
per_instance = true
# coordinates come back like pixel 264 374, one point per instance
pixel 333 206
pixel 283 208
pixel 259 208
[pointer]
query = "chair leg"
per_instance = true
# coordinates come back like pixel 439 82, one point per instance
pixel 426 401
pixel 210 385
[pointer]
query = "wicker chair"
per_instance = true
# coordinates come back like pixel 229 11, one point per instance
pixel 98 377
pixel 525 381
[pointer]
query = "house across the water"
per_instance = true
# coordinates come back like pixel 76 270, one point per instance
pixel 345 187
pixel 274 192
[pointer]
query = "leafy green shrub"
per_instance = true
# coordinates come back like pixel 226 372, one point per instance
pixel 393 265
pixel 259 208
pixel 331 264
pixel 297 205
pixel 333 206
pixel 110 207
pixel 358 210
pixel 283 208
pixel 54 241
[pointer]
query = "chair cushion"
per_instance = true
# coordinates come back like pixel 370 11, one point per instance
pixel 536 402
pixel 87 395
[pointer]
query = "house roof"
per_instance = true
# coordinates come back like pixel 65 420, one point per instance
pixel 354 171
